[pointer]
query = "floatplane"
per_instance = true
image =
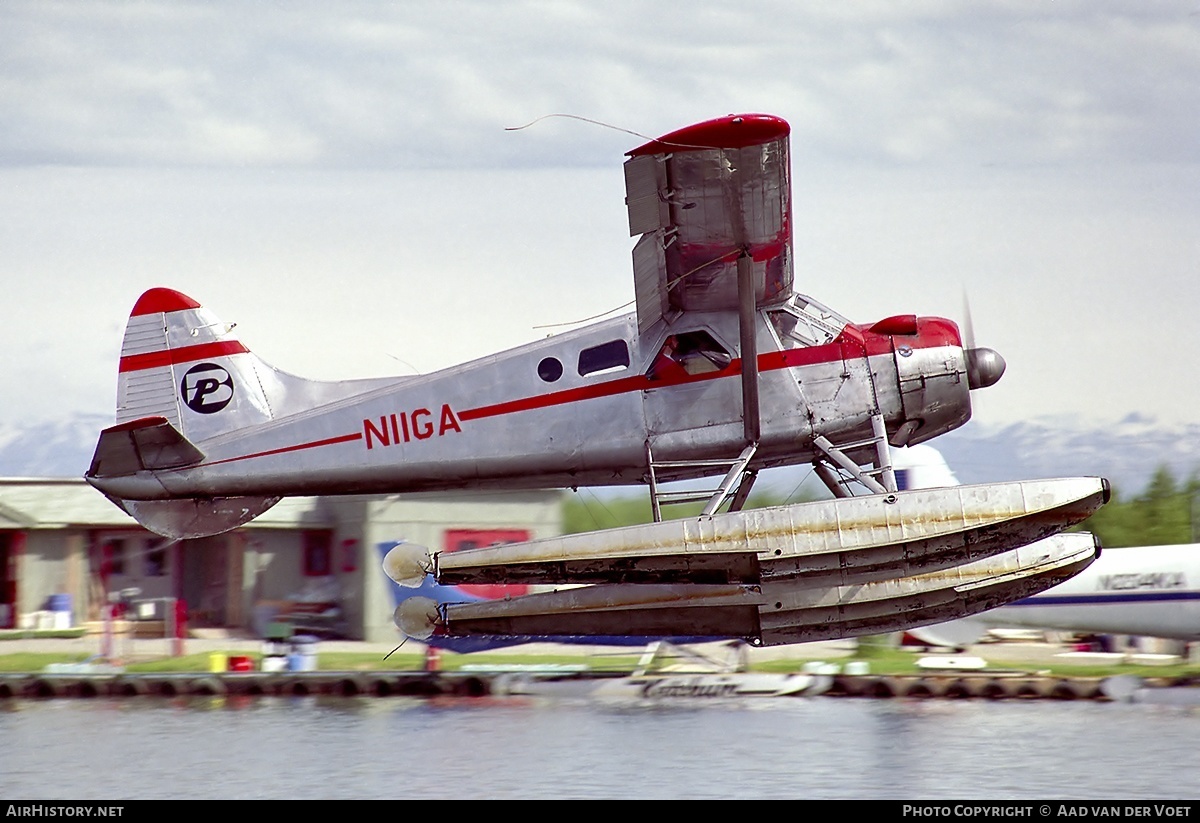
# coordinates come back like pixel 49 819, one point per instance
pixel 666 671
pixel 722 371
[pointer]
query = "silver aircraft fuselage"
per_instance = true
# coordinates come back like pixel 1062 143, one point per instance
pixel 577 409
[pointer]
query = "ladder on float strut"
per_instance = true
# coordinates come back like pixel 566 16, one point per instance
pixel 738 481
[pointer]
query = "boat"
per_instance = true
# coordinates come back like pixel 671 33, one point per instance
pixel 649 681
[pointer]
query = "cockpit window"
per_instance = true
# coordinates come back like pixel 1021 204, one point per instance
pixel 803 322
pixel 687 354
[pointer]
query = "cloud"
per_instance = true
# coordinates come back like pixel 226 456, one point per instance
pixel 408 85
pixel 338 178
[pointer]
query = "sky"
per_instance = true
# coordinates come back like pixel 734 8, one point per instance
pixel 348 183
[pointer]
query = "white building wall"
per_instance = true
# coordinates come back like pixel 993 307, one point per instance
pixel 425 519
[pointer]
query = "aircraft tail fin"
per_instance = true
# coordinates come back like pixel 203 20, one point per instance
pixel 181 363
pixel 183 378
pixel 921 467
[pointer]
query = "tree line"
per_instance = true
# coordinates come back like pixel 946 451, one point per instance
pixel 1166 512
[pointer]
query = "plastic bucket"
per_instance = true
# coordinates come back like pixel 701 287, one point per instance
pixel 297 662
pixel 304 644
pixel 60 609
pixel 217 662
pixel 303 657
pixel 239 663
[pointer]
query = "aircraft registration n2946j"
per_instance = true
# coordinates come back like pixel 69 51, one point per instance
pixel 722 371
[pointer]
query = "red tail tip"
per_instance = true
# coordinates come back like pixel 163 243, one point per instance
pixel 162 300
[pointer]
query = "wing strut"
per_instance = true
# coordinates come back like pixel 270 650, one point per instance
pixel 749 345
pixel 834 458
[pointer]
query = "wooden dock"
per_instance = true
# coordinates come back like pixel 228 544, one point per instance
pixel 41 685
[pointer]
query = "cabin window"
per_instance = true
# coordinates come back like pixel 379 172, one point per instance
pixel 687 355
pixel 550 369
pixel 606 357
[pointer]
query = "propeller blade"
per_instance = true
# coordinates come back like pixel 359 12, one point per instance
pixel 968 327
pixel 984 366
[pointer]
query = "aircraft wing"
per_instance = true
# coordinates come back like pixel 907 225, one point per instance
pixel 700 198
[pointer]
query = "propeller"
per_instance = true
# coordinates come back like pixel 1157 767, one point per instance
pixel 984 366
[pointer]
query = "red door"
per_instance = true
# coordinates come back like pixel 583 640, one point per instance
pixel 10 548
pixel 481 538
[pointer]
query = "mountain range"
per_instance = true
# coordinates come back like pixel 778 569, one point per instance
pixel 1127 452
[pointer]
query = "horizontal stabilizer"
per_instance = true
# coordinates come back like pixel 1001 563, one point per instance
pixel 138 447
pixel 147 444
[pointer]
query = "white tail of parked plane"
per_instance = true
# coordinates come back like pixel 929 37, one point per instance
pixel 1144 591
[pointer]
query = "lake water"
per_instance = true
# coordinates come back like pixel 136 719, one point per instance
pixel 461 748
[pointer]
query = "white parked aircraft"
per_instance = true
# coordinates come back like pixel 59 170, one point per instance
pixel 1143 591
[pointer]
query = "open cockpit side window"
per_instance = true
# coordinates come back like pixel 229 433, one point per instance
pixel 688 354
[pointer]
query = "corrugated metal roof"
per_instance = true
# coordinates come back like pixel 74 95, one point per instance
pixel 39 503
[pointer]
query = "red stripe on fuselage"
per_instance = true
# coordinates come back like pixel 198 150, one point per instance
pixel 766 362
pixel 186 354
pixel 329 441
pixel 558 398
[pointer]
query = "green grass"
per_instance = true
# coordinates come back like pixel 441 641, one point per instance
pixel 42 634
pixel 33 662
pixel 899 662
pixel 881 661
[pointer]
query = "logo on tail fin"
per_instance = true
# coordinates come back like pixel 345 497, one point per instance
pixel 206 388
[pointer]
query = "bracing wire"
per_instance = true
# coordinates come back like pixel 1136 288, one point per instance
pixel 393 651
pixel 602 124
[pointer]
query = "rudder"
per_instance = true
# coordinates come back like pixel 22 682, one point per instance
pixel 183 377
pixel 180 362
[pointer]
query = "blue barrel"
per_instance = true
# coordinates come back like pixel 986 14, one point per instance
pixel 60 608
pixel 303 657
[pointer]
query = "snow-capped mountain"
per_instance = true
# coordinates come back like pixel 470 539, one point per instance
pixel 61 448
pixel 1127 452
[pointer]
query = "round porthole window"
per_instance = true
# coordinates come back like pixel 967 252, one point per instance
pixel 550 369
